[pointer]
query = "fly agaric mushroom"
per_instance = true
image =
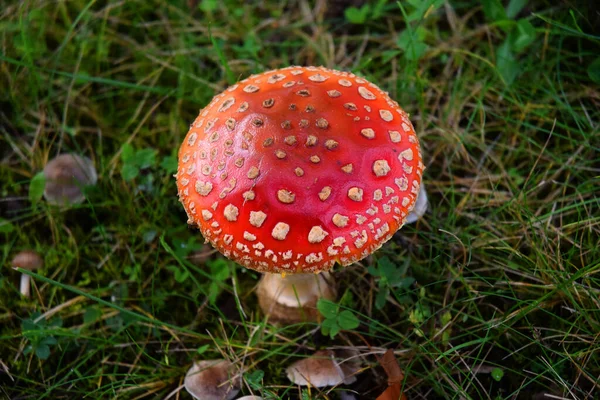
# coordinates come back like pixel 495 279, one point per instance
pixel 295 169
pixel 212 380
pixel 66 175
pixel 29 260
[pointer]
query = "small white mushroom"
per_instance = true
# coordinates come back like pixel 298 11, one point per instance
pixel 293 298
pixel 66 176
pixel 29 260
pixel 420 208
pixel 212 380
pixel 324 368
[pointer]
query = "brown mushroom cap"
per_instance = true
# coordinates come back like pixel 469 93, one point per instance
pixel 212 380
pixel 295 169
pixel 324 368
pixel 28 259
pixel 66 175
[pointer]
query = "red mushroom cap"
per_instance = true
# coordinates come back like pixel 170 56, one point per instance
pixel 294 169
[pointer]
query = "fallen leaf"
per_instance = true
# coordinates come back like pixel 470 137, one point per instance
pixel 391 367
pixel 393 392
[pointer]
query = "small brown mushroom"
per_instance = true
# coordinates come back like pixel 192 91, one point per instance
pixel 66 175
pixel 324 368
pixel 212 380
pixel 293 298
pixel 29 260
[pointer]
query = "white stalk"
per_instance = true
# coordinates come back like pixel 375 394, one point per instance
pixel 294 290
pixel 420 206
pixel 25 286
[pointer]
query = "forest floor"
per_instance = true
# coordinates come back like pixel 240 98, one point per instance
pixel 493 294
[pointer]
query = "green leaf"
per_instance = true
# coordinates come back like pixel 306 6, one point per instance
pixel 180 274
pixel 42 351
pixel 412 43
pixel 506 64
pixel 357 16
pixel 347 320
pixel 202 349
pixel 381 297
pixel 417 316
pixel 522 36
pixel 36 187
pixel 387 268
pixel 220 270
pixel 446 317
pixel 334 330
pixel 305 395
pixel 378 9
pixel 327 308
pixel 493 10
pixel 209 5
pixel 326 329
pixel 49 341
pixel 28 325
pixel 514 7
pixel 422 9
pixel 387 55
pixel 91 315
pixel 55 323
pixel 374 271
pixel 127 152
pixel 6 226
pixel 255 378
pixel 497 374
pixel 169 164
pixel 593 70
pixel 129 171
pixel 213 292
pixel 330 327
pixel 404 283
pixel 145 158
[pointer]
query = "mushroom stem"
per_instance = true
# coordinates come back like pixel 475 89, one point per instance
pixel 294 297
pixel 295 289
pixel 420 208
pixel 24 287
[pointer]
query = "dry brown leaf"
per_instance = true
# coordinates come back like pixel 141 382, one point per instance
pixel 392 393
pixel 391 367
